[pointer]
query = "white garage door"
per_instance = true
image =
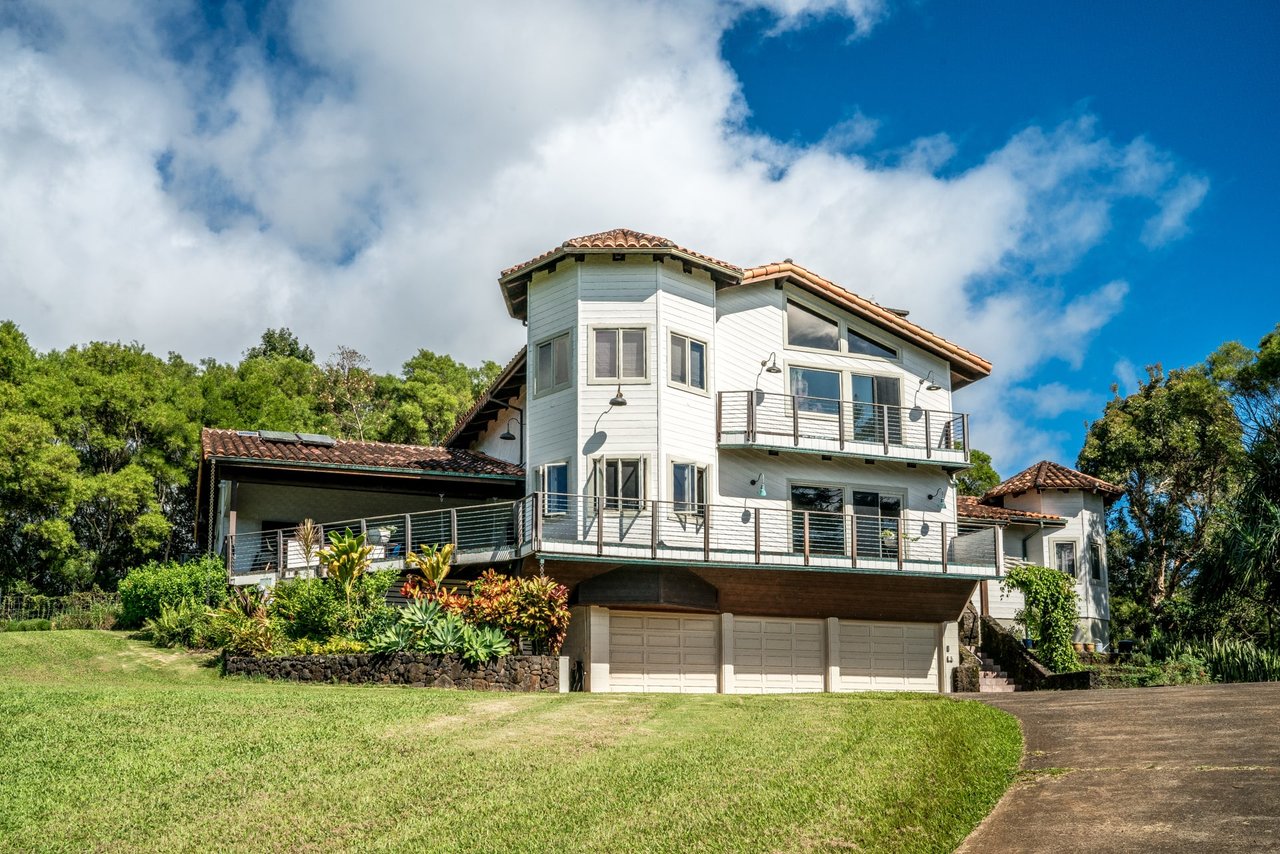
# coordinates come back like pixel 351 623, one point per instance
pixel 676 653
pixel 772 656
pixel 888 656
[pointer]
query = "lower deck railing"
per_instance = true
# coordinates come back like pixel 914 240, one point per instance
pixel 632 529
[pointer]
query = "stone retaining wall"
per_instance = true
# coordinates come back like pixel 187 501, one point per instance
pixel 1008 650
pixel 510 673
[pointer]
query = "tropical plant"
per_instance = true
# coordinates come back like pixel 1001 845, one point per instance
pixel 309 607
pixel 482 643
pixel 542 613
pixel 145 590
pixel 307 535
pixel 427 569
pixel 346 560
pixel 185 624
pixel 1051 613
pixel 397 638
pixel 420 614
pixel 444 636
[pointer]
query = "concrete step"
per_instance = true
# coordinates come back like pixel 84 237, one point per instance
pixel 992 688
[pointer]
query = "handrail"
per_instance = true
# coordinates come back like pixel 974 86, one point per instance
pixel 769 418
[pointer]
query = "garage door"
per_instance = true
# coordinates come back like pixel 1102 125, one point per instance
pixel 888 656
pixel 675 653
pixel 773 656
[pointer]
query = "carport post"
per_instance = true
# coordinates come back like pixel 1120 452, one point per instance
pixel 725 685
pixel 832 682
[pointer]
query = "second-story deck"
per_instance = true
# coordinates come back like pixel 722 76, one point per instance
pixel 756 419
pixel 576 527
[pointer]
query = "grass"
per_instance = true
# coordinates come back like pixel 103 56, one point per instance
pixel 112 745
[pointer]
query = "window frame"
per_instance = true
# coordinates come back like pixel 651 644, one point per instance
pixel 594 379
pixel 547 509
pixel 1075 558
pixel 1096 563
pixel 843 327
pixel 841 376
pixel 537 347
pixel 599 485
pixel 701 479
pixel 789 300
pixel 689 341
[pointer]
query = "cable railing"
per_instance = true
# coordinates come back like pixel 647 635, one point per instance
pixel 628 528
pixel 841 426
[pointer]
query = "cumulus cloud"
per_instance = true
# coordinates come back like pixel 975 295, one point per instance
pixel 367 190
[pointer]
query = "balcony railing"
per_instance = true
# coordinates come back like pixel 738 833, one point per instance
pixel 576 526
pixel 787 421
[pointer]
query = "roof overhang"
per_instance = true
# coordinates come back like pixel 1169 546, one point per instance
pixel 506 387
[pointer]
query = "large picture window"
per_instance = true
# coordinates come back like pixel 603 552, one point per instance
pixel 816 391
pixel 825 509
pixel 619 354
pixel 688 362
pixel 807 328
pixel 553 368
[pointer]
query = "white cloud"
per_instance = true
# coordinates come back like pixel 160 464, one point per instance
pixel 1176 206
pixel 372 201
pixel 1049 400
pixel 1127 379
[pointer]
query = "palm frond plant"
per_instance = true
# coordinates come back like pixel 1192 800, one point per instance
pixel 307 535
pixel 345 560
pixel 428 570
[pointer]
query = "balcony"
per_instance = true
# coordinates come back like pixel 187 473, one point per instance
pixel 756 419
pixel 576 527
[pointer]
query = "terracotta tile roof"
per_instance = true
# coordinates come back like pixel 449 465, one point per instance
pixel 966 366
pixel 973 508
pixel 1051 475
pixel 513 375
pixel 248 445
pixel 617 238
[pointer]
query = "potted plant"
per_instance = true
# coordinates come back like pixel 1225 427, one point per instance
pixel 381 535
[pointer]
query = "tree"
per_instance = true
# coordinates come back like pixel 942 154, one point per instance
pixel 980 477
pixel 263 393
pixel 281 343
pixel 347 394
pixel 436 391
pixel 1174 446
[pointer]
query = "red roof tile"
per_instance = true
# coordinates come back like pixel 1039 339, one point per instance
pixel 972 508
pixel 248 445
pixel 1051 475
pixel 617 238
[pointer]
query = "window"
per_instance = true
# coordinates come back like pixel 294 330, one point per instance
pixel 688 488
pixel 877 520
pixel 1064 554
pixel 621 482
pixel 859 343
pixel 876 403
pixel 553 369
pixel 619 354
pixel 555 488
pixel 688 362
pixel 1095 561
pixel 825 508
pixel 807 328
pixel 816 391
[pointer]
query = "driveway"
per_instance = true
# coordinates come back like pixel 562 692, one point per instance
pixel 1190 768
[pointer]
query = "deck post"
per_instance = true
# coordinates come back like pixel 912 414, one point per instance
pixel 408 534
pixel 719 416
pixel 751 418
pixel 928 442
pixel 599 525
pixel 281 557
pixel 884 426
pixel 706 533
pixel 806 537
pixel 840 424
pixel 795 422
pixel 537 519
pixel 654 519
pixel 453 528
pixel 965 421
pixel 943 531
pixel 755 517
pixel 899 539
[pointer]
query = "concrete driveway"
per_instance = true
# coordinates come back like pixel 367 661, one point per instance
pixel 1190 768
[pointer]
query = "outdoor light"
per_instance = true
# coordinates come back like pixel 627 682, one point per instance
pixel 760 480
pixel 932 385
pixel 770 364
pixel 507 435
pixel 618 399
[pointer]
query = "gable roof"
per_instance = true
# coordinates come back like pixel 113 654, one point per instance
pixel 515 280
pixel 505 386
pixel 966 366
pixel 968 507
pixel 247 446
pixel 1050 475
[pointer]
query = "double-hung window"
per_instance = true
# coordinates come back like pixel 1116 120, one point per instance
pixel 688 488
pixel 688 362
pixel 620 481
pixel 619 354
pixel 552 365
pixel 555 488
pixel 1064 555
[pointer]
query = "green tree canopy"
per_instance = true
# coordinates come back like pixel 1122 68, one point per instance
pixel 980 477
pixel 280 343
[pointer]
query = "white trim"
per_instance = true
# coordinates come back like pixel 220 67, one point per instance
pixel 531 381
pixel 706 362
pixel 592 379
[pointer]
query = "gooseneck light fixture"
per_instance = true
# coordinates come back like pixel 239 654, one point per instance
pixel 507 435
pixel 618 399
pixel 759 479
pixel 932 384
pixel 768 365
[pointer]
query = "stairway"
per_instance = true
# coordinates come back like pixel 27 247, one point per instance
pixel 991 679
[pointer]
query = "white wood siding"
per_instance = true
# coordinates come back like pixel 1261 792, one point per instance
pixel 553 418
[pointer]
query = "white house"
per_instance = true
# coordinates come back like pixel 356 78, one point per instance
pixel 744 476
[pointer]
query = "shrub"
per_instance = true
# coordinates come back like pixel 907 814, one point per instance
pixel 482 643
pixel 345 560
pixel 397 638
pixel 427 571
pixel 186 624
pixel 146 589
pixel 309 607
pixel 96 616
pixel 1051 613
pixel 28 626
pixel 1231 660
pixel 532 609
pixel 333 646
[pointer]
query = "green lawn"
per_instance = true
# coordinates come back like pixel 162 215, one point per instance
pixel 108 744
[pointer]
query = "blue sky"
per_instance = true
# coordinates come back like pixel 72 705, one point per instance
pixel 1074 191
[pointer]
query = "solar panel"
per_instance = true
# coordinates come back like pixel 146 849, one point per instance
pixel 279 436
pixel 318 439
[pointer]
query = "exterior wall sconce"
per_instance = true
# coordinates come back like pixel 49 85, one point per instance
pixel 770 364
pixel 759 479
pixel 618 399
pixel 932 384
pixel 507 435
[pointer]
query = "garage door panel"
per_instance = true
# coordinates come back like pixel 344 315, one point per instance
pixel 777 655
pixel 663 653
pixel 888 656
